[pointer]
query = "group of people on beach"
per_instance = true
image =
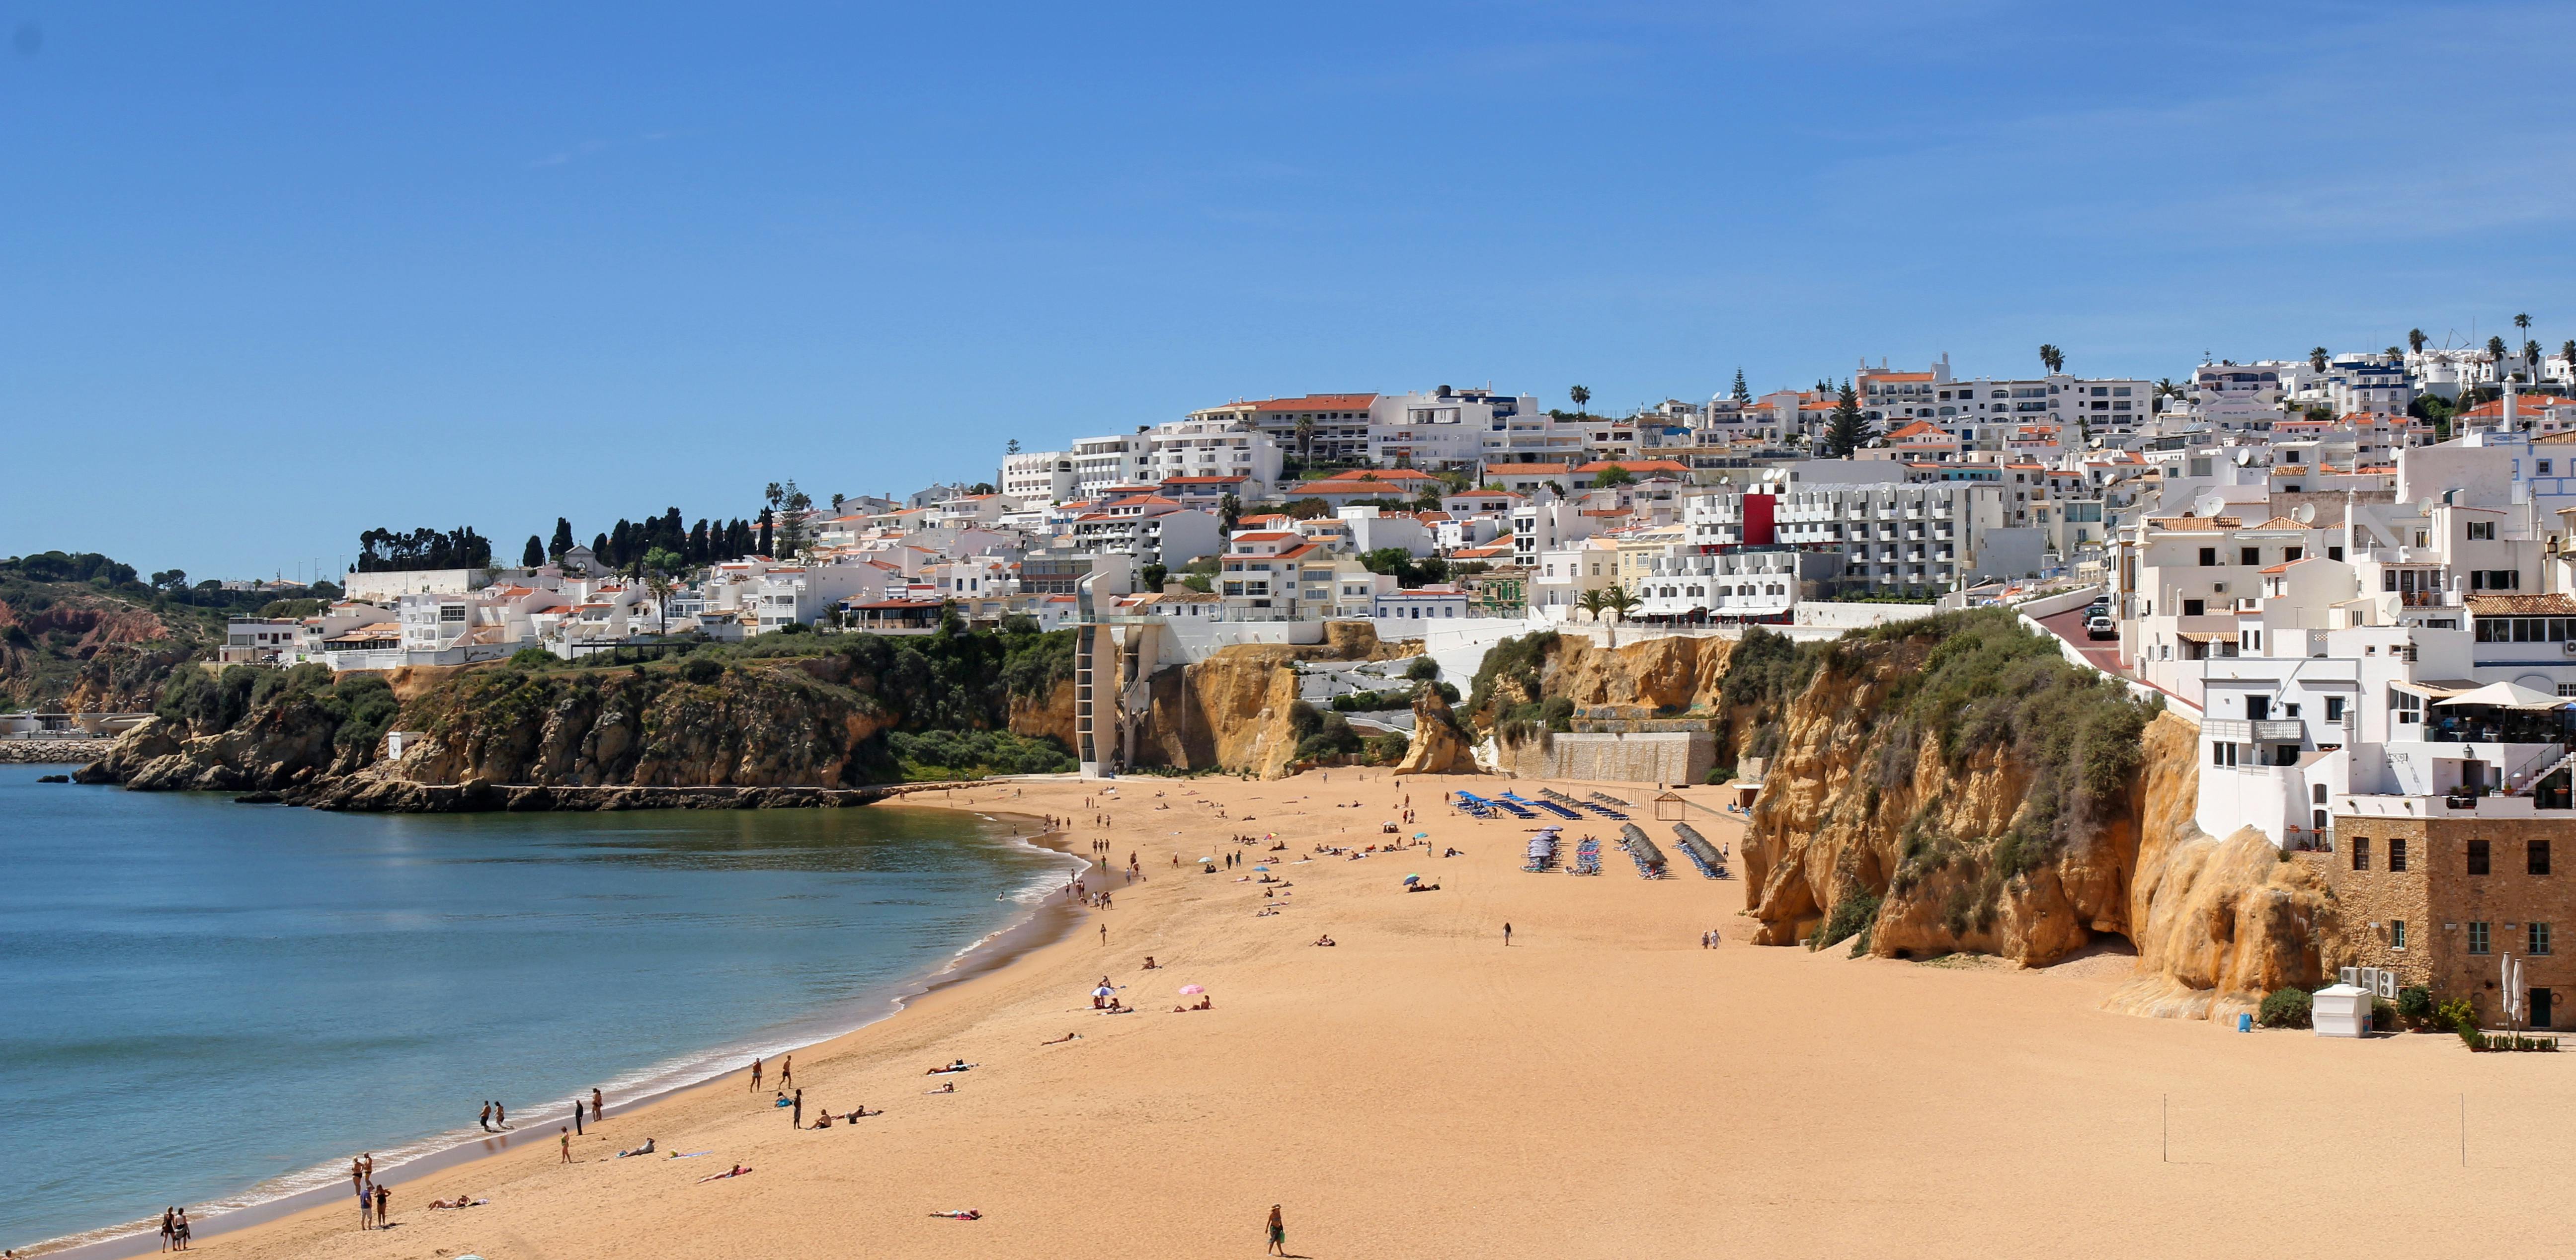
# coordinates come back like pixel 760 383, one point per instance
pixel 174 1229
pixel 375 1202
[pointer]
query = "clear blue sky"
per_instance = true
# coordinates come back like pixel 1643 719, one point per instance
pixel 271 275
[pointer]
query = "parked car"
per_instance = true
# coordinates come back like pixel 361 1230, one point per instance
pixel 2101 628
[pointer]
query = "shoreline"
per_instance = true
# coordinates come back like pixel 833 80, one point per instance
pixel 1048 921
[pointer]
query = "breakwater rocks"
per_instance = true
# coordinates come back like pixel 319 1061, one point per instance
pixel 50 752
pixel 368 794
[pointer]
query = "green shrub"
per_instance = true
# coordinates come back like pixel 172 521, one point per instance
pixel 2286 1008
pixel 1851 916
pixel 2383 1016
pixel 976 754
pixel 2415 1005
pixel 1423 669
pixel 2457 1015
pixel 1387 748
pixel 532 658
pixel 702 669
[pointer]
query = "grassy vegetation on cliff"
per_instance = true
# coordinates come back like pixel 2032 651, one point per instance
pixel 359 709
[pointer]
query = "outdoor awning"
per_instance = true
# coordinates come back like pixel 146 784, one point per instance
pixel 2435 690
pixel 2207 636
pixel 2505 695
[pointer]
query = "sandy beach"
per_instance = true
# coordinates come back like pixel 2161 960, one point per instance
pixel 1602 1087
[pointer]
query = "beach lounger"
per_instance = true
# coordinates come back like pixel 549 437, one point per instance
pixel 1701 853
pixel 1649 859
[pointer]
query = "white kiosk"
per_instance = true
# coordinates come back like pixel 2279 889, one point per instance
pixel 2341 1010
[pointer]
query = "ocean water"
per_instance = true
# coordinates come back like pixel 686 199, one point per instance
pixel 211 1004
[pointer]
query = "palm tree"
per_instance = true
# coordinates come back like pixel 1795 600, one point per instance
pixel 1305 441
pixel 1581 396
pixel 660 585
pixel 2317 358
pixel 1592 602
pixel 2052 358
pixel 2415 340
pixel 2495 350
pixel 1619 601
pixel 2522 323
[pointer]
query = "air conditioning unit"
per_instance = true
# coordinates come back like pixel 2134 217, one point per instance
pixel 2569 647
pixel 2218 587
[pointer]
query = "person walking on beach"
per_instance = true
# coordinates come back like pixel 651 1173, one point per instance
pixel 366 1203
pixel 787 1072
pixel 755 1076
pixel 486 1118
pixel 180 1230
pixel 796 1117
pixel 1278 1233
pixel 169 1227
pixel 1104 934
pixel 1507 936
pixel 563 1139
pixel 384 1205
pixel 500 1115
pixel 576 1117
pixel 598 1105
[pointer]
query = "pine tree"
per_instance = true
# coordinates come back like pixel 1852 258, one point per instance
pixel 1740 393
pixel 697 548
pixel 621 540
pixel 1849 430
pixel 535 554
pixel 563 538
pixel 599 549
pixel 673 534
pixel 764 531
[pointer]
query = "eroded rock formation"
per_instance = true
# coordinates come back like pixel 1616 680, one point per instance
pixel 1439 745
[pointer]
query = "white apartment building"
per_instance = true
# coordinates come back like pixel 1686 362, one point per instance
pixel 1558 578
pixel 1101 464
pixel 1543 522
pixel 1318 428
pixel 1153 529
pixel 1444 428
pixel 1038 476
pixel 1887 536
pixel 1737 586
pixel 1986 413
pixel 1212 448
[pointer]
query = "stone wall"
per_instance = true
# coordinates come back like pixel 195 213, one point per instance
pixel 52 752
pixel 1673 757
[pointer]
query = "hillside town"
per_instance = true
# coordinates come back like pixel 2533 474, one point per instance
pixel 2347 567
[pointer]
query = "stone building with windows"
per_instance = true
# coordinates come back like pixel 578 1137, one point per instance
pixel 2441 895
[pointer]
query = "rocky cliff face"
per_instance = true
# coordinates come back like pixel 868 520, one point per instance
pixel 2217 923
pixel 767 726
pixel 1050 715
pixel 1658 674
pixel 764 725
pixel 291 740
pixel 1233 710
pixel 96 656
pixel 1931 850
pixel 1439 745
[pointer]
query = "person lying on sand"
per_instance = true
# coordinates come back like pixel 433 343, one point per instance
pixel 645 1149
pixel 959 1066
pixel 949 1088
pixel 1423 888
pixel 862 1111
pixel 1150 964
pixel 1063 1039
pixel 736 1171
pixel 783 1100
pixel 1324 941
pixel 450 1205
pixel 969 1214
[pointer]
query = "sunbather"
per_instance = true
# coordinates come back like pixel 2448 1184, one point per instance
pixel 1325 941
pixel 969 1214
pixel 1061 1040
pixel 645 1149
pixel 736 1171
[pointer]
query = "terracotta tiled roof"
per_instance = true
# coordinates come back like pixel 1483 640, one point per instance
pixel 2522 606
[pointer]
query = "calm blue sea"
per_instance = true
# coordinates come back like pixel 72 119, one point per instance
pixel 204 1003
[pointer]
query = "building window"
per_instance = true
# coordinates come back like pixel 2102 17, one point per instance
pixel 2477 857
pixel 2482 531
pixel 2222 754
pixel 2396 854
pixel 2478 937
pixel 2334 708
pixel 2535 856
pixel 2249 555
pixel 2397 934
pixel 2209 557
pixel 2361 853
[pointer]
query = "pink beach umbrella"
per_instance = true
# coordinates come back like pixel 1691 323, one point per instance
pixel 1193 990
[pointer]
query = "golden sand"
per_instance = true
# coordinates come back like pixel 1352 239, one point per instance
pixel 1603 1087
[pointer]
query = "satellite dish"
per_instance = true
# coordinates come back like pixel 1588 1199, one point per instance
pixel 2208 505
pixel 2304 514
pixel 2244 458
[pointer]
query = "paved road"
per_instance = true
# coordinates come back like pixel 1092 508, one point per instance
pixel 2104 653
